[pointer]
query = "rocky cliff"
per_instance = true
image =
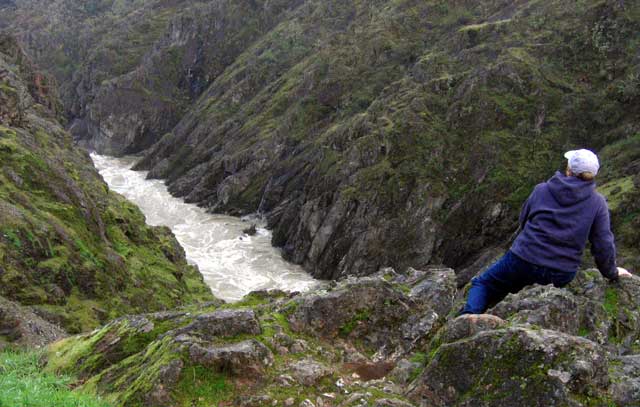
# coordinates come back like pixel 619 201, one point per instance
pixel 389 340
pixel 369 133
pixel 75 253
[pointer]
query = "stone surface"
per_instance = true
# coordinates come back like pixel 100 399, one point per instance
pixel 167 379
pixel 391 403
pixel 513 366
pixel 471 360
pixel 246 358
pixel 466 326
pixel 372 309
pixel 223 323
pixel 368 308
pixel 625 380
pixel 590 306
pixel 436 290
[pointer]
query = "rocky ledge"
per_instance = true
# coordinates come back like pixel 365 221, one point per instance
pixel 391 339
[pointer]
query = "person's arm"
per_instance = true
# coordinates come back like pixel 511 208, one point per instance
pixel 603 247
pixel 526 209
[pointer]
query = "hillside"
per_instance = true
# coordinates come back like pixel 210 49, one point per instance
pixel 77 254
pixel 369 133
pixel 388 143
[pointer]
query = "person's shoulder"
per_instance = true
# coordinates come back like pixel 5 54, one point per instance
pixel 600 200
pixel 543 186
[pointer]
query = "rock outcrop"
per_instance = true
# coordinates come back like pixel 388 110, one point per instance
pixel 269 348
pixel 371 341
pixel 511 367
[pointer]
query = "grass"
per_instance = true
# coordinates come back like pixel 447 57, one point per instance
pixel 24 384
pixel 200 386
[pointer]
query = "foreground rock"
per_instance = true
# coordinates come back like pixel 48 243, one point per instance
pixel 625 380
pixel 511 367
pixel 390 340
pixel 308 350
pixel 590 306
pixel 387 312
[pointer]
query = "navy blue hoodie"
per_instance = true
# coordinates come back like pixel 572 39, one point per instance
pixel 556 221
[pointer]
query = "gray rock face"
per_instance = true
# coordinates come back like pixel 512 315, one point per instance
pixel 403 371
pixel 466 326
pixel 590 306
pixel 391 403
pixel 308 372
pixel 160 394
pixel 343 310
pixel 436 290
pixel 223 323
pixel 625 380
pixel 246 358
pixel 378 311
pixel 351 346
pixel 555 308
pixel 512 367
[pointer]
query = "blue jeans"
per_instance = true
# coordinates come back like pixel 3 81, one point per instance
pixel 510 274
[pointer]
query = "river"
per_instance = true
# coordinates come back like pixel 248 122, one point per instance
pixel 232 263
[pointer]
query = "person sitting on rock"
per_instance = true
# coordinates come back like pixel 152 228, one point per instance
pixel 555 223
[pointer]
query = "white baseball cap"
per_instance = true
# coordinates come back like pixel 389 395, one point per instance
pixel 582 161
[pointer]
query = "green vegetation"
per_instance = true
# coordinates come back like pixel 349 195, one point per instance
pixel 396 106
pixel 69 247
pixel 200 387
pixel 348 327
pixel 23 383
pixel 611 301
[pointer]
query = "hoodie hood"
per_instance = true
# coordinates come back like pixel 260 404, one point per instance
pixel 570 190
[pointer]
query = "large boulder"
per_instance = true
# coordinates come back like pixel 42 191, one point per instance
pixel 513 367
pixel 386 311
pixel 555 308
pixel 246 358
pixel 222 323
pixel 308 371
pixel 591 306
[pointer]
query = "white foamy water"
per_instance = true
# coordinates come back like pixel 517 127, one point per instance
pixel 233 264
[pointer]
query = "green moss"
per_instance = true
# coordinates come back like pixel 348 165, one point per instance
pixel 290 307
pixel 615 191
pixel 13 238
pixel 248 301
pixel 348 327
pixel 201 387
pixel 584 332
pixel 611 301
pixel 63 356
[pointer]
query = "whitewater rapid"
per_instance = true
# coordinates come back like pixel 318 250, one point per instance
pixel 232 263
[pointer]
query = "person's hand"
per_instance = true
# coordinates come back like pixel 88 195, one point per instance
pixel 623 272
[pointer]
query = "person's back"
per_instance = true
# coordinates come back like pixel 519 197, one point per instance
pixel 558 219
pixel 556 222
